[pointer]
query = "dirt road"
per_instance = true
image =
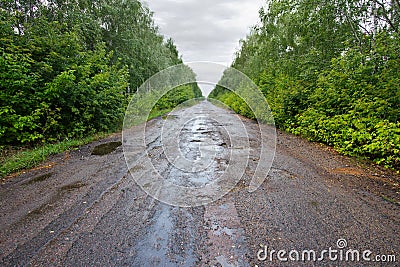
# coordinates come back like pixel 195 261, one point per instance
pixel 82 209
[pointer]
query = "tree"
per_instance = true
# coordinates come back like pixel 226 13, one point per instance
pixel 66 65
pixel 329 71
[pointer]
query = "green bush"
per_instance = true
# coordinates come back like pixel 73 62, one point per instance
pixel 352 105
pixel 49 92
pixel 66 68
pixel 176 97
pixel 232 100
pixel 355 108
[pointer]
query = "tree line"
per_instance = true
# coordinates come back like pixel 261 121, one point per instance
pixel 69 67
pixel 330 72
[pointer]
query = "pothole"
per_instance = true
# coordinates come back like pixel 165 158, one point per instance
pixel 40 178
pixel 223 144
pixel 73 186
pixel 105 149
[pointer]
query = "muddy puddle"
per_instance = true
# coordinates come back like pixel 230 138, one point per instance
pixel 165 243
pixel 105 149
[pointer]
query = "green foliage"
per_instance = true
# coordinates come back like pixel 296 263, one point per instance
pixel 232 100
pixel 56 90
pixel 67 67
pixel 353 135
pixel 176 97
pixel 329 71
pixel 355 108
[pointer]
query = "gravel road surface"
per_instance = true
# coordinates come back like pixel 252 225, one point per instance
pixel 89 207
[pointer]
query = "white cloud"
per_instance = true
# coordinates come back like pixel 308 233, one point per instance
pixel 206 30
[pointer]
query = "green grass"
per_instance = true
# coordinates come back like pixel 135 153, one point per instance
pixel 30 158
pixel 158 113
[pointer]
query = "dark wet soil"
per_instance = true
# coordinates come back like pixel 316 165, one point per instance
pixel 40 178
pixel 73 186
pixel 81 209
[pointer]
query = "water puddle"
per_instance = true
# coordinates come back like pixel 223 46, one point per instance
pixel 105 149
pixel 164 244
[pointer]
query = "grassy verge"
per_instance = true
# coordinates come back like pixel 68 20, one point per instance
pixel 158 113
pixel 30 158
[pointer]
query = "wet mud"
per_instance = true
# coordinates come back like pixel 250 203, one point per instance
pixel 91 209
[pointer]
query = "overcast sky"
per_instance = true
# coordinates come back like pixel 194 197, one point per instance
pixel 206 30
